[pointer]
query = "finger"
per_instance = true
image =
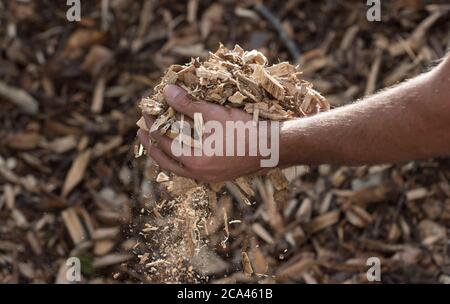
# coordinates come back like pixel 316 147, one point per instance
pixel 167 145
pixel 178 99
pixel 166 163
pixel 144 138
pixel 164 142
pixel 149 120
pixel 158 156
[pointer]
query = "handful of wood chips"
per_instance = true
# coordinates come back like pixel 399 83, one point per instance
pixel 232 78
pixel 240 79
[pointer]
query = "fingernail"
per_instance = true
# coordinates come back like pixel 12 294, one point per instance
pixel 171 91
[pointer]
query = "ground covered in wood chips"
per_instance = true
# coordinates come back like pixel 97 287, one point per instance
pixel 70 186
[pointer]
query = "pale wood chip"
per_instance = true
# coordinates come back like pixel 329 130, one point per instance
pixel 76 171
pixel 237 98
pixel 74 225
pixel 246 265
pixel 162 177
pixel 323 221
pixel 269 83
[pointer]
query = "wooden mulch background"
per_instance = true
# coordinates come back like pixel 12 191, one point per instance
pixel 69 183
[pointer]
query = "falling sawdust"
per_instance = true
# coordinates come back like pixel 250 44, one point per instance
pixel 174 235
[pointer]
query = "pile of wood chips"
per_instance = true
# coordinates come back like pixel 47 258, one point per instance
pixel 70 185
pixel 232 78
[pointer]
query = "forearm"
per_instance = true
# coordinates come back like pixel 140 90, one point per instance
pixel 410 121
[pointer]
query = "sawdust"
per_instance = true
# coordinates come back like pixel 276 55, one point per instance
pixel 174 236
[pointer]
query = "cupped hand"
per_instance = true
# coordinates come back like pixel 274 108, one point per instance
pixel 213 168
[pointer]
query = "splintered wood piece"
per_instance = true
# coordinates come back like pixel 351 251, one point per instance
pixel 103 247
pixel 257 258
pixel 162 177
pixel 416 194
pixel 281 69
pixel 74 225
pixel 294 271
pixel 23 140
pixel 105 233
pixel 237 194
pixel 278 180
pixel 254 57
pixel 237 98
pixel 10 196
pixel 323 221
pixel 151 106
pixel 269 83
pixel 98 99
pixel 162 120
pixel 20 98
pixel 303 214
pixel 102 148
pixel 354 219
pixel 141 124
pixel 138 150
pixel 34 242
pixel 244 184
pixel 189 229
pixel 211 74
pixel 63 144
pixel 275 219
pixel 111 259
pixel 225 227
pixel 217 217
pixel 262 233
pixel 76 171
pixel 198 127
pixel 246 265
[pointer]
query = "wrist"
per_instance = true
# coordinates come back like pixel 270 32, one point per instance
pixel 292 146
pixel 439 90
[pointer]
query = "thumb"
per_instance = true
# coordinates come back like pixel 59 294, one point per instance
pixel 178 99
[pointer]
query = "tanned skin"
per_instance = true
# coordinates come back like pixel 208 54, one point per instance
pixel 407 122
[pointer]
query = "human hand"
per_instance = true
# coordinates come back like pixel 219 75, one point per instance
pixel 206 168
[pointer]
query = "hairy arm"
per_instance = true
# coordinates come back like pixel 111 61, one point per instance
pixel 405 122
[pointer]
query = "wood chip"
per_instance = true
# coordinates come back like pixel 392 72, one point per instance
pixel 19 97
pixel 246 265
pixel 111 259
pixel 323 221
pixel 76 171
pixel 269 83
pixel 74 225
